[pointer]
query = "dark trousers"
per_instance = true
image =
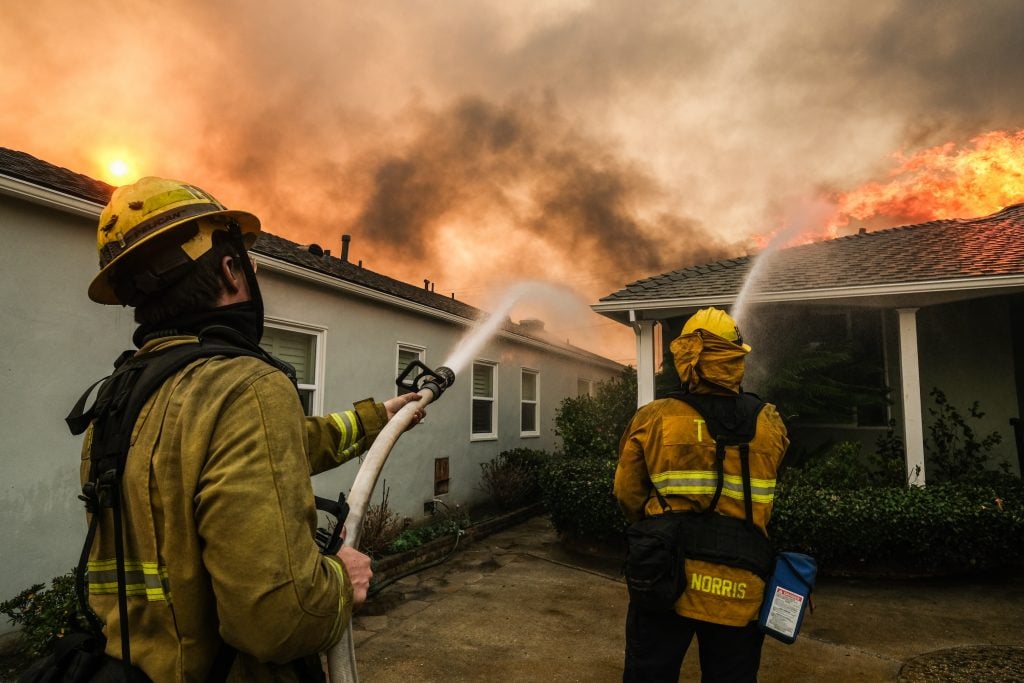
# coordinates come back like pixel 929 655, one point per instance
pixel 657 642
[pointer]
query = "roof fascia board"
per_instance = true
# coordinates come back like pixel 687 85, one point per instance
pixel 309 275
pixel 982 283
pixel 47 197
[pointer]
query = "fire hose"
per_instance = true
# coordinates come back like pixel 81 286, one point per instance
pixel 429 384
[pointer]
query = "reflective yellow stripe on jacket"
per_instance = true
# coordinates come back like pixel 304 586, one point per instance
pixel 141 578
pixel 704 482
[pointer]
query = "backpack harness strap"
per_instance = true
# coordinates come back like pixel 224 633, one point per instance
pixel 731 421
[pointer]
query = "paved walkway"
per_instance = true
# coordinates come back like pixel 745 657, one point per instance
pixel 516 607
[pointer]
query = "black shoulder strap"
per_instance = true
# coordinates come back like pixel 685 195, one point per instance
pixel 118 403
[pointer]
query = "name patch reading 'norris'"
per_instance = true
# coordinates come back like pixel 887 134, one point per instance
pixel 718 586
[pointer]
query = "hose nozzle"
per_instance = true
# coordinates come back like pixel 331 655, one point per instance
pixel 435 380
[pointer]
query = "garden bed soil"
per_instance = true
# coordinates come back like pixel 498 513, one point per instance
pixel 400 564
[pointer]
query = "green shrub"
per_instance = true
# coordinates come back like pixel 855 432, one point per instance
pixel 843 466
pixel 941 528
pixel 578 495
pixel 43 615
pixel 592 425
pixel 512 479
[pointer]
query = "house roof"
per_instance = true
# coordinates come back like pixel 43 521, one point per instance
pixel 27 169
pixel 920 264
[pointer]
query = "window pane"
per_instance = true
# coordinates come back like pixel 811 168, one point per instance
pixel 295 348
pixel 583 387
pixel 529 422
pixel 482 423
pixel 529 386
pixel 483 380
pixel 406 355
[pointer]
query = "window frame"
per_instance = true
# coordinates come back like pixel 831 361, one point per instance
pixel 590 386
pixel 319 335
pixel 493 398
pixel 535 402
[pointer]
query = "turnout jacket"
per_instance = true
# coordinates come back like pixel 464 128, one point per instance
pixel 667 447
pixel 219 524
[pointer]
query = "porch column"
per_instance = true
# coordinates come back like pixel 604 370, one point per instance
pixel 644 330
pixel 913 430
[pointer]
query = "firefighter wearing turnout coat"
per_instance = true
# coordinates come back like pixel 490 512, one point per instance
pixel 669 461
pixel 220 567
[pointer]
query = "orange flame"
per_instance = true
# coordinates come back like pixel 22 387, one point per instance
pixel 942 182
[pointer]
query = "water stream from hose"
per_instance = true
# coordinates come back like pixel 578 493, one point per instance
pixel 803 217
pixel 487 327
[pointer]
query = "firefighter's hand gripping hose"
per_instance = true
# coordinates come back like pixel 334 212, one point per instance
pixel 429 384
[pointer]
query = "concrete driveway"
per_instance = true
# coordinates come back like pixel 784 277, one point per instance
pixel 516 607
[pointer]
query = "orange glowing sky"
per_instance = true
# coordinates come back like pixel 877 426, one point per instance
pixel 473 143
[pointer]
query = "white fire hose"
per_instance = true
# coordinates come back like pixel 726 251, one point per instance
pixel 341 659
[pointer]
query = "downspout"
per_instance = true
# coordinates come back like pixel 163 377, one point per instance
pixel 910 378
pixel 644 331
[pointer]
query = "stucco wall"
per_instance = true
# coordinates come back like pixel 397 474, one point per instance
pixel 58 342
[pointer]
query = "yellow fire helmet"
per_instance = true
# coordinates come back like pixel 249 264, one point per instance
pixel 717 322
pixel 153 207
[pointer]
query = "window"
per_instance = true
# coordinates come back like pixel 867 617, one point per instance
pixel 834 366
pixel 584 387
pixel 528 403
pixel 407 353
pixel 483 422
pixel 300 347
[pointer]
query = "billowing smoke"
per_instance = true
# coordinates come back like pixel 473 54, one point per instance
pixel 517 181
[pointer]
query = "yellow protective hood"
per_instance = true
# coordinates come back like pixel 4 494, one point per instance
pixel 708 364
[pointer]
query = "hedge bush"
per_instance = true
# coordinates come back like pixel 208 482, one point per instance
pixel 939 529
pixel 578 495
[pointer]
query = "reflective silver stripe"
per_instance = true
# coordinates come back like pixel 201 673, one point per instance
pixel 704 482
pixel 141 578
pixel 349 445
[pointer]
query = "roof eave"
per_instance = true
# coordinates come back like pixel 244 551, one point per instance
pixel 904 293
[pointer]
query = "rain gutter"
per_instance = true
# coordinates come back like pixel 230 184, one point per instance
pixel 53 199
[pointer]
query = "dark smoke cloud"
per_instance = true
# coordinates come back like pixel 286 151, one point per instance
pixel 522 165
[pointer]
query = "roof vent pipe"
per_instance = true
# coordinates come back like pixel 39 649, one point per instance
pixel 345 239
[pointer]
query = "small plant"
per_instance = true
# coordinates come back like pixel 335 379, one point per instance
pixel 381 526
pixel 513 478
pixel 44 614
pixel 448 522
pixel 954 449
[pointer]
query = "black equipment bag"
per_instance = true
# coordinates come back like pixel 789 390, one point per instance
pixel 80 655
pixel 654 567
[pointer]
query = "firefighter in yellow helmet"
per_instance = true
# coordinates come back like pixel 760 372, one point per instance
pixel 712 452
pixel 221 572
